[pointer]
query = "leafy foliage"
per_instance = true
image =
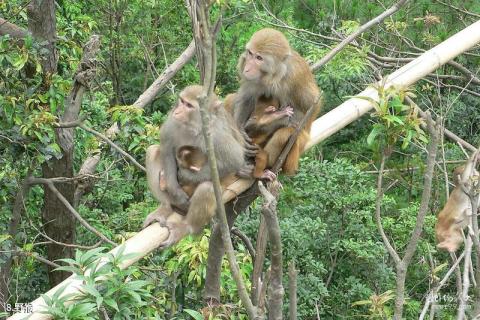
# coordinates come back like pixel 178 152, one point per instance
pixel 107 289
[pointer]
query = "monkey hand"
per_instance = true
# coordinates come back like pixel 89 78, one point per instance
pixel 245 136
pixel 246 172
pixel 288 111
pixel 251 150
pixel 156 216
pixel 268 175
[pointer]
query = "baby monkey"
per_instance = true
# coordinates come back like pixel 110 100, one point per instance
pixel 188 157
pixel 265 120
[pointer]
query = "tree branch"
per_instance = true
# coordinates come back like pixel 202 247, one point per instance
pixel 206 54
pixel 402 266
pixel 292 290
pixel 427 189
pixel 114 146
pixel 276 291
pixel 245 240
pixel 431 296
pixel 378 209
pixel 12 30
pixel 363 28
pixel 72 210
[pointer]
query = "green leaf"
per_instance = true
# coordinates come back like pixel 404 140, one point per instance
pixel 194 314
pixel 111 303
pixel 361 303
pixel 377 129
pixel 53 105
pixel 19 63
pixel 81 310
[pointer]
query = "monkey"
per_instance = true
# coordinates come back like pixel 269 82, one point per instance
pixel 188 157
pixel 168 167
pixel 228 103
pixel 453 218
pixel 191 158
pixel 269 67
pixel 266 119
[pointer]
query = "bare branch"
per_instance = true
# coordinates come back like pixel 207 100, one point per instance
pixel 259 260
pixel 262 297
pixel 71 245
pixel 292 290
pixel 470 76
pixel 276 291
pixel 378 209
pixel 363 28
pixel 430 297
pixel 466 280
pixel 427 188
pixel 37 257
pixel 459 9
pixel 74 212
pixel 242 236
pixel 402 266
pixel 113 145
pixel 152 91
pixel 12 29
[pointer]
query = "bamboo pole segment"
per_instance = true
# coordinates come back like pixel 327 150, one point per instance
pixel 148 239
pixel 141 244
pixel 410 73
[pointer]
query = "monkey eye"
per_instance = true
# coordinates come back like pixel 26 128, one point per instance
pixel 259 58
pixel 249 52
pixel 189 105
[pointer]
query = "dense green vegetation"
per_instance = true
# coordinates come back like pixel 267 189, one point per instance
pixel 326 211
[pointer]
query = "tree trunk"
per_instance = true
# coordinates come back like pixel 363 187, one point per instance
pixel 59 224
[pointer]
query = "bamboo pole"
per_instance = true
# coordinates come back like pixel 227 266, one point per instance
pixel 148 239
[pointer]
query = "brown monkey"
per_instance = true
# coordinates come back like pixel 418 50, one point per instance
pixel 188 157
pixel 183 129
pixel 270 68
pixel 265 120
pixel 454 216
pixel 191 158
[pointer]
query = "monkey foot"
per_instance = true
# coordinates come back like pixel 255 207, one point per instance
pixel 268 175
pixel 176 232
pixel 154 217
pixel 270 109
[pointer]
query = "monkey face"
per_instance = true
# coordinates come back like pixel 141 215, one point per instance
pixel 185 109
pixel 252 69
